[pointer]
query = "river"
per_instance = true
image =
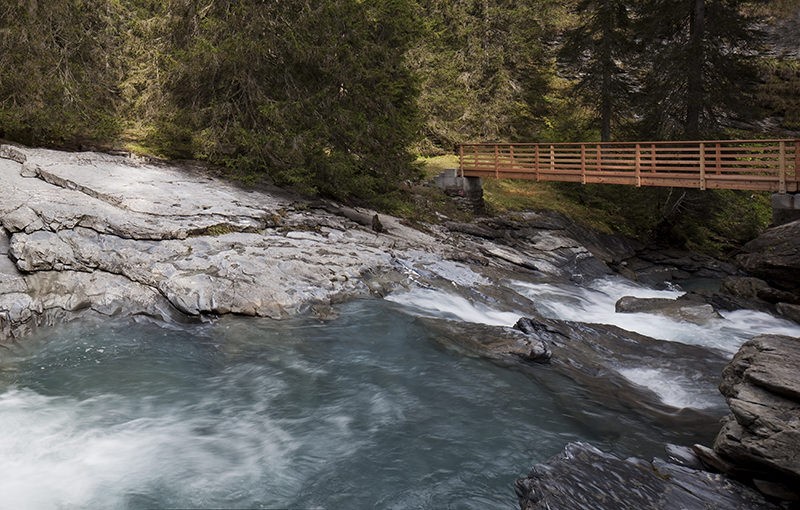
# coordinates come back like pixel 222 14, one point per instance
pixel 365 410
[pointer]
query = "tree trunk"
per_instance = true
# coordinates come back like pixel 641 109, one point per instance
pixel 606 101
pixel 694 78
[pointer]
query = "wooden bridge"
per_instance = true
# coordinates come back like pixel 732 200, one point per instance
pixel 756 165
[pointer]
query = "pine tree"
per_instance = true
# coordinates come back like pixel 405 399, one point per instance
pixel 485 67
pixel 598 51
pixel 698 70
pixel 317 95
pixel 59 71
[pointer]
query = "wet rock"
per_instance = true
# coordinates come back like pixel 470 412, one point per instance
pixel 762 388
pixel 656 266
pixel 744 286
pixel 774 256
pixel 541 243
pixel 683 456
pixel 603 364
pixel 585 478
pixel 789 311
pixel 689 309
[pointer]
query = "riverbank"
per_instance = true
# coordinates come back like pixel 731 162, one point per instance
pixel 92 235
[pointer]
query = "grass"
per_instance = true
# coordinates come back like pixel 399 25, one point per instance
pixel 502 196
pixel 433 166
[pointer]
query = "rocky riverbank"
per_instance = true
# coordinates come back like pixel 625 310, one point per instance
pixel 87 233
pixel 118 236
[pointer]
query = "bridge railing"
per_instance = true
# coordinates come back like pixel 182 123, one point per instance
pixel 757 165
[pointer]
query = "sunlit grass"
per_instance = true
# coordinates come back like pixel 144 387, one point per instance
pixel 502 196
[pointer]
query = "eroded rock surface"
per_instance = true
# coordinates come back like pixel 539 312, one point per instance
pixel 585 478
pixel 85 231
pixel 774 257
pixel 762 387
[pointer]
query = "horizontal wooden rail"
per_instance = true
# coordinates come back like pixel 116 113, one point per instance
pixel 756 165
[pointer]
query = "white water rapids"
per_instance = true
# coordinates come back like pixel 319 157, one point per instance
pixel 595 303
pixel 365 411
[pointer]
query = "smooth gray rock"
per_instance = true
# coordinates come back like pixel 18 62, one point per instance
pixel 208 247
pixel 585 478
pixel 762 387
pixel 682 309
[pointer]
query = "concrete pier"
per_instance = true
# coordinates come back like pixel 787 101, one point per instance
pixel 467 191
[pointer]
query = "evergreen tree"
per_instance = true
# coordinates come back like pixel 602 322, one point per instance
pixel 486 67
pixel 598 51
pixel 699 74
pixel 58 70
pixel 318 95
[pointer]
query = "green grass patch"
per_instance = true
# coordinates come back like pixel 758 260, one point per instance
pixel 433 166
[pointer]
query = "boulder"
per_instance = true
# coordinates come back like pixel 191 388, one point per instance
pixel 789 311
pixel 774 256
pixel 687 309
pixel 762 388
pixel 585 478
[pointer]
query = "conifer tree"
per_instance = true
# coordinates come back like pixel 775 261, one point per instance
pixel 698 69
pixel 599 52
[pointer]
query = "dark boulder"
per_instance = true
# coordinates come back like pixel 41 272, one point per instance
pixel 762 387
pixel 584 478
pixel 775 257
pixel 657 265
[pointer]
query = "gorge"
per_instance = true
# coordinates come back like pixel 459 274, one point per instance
pixel 170 339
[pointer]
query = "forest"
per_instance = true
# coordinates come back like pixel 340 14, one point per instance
pixel 338 98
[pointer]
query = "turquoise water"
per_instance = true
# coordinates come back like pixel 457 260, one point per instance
pixel 365 411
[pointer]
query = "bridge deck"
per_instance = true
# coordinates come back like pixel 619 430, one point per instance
pixel 756 165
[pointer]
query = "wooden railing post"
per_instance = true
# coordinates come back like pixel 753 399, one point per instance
pixel 598 157
pixel 719 159
pixel 638 165
pixel 461 159
pixel 511 154
pixel 797 163
pixel 552 160
pixel 536 160
pixel 583 163
pixel 702 166
pixel 496 161
pixel 653 158
pixel 782 168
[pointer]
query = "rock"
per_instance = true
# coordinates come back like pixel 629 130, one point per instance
pixel 774 256
pixel 209 247
pixel 624 371
pixel 585 478
pixel 683 456
pixel 762 388
pixel 689 310
pixel 744 286
pixel 789 311
pixel 655 265
pixel 711 460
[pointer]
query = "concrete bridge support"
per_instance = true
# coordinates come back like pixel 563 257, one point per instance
pixel 467 191
pixel 785 208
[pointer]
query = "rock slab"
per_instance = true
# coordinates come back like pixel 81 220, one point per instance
pixel 775 257
pixel 762 387
pixel 585 478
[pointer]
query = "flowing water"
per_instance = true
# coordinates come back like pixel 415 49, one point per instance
pixel 364 411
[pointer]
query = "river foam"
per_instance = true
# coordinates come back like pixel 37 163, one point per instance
pixel 595 303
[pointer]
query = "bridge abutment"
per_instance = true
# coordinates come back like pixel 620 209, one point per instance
pixel 466 191
pixel 785 208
